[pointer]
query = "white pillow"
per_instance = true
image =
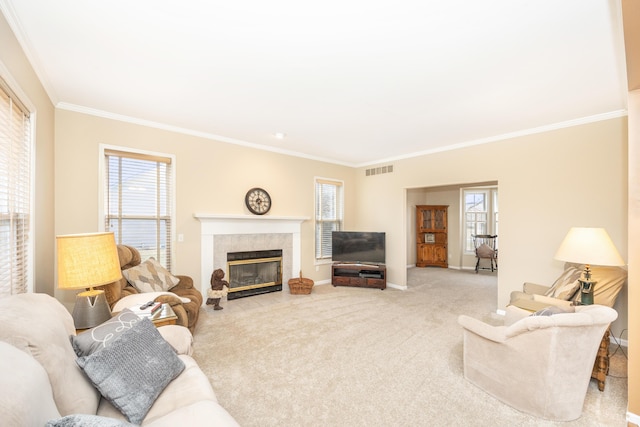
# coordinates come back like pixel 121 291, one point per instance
pixel 150 276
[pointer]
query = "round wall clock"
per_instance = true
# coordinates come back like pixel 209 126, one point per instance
pixel 258 201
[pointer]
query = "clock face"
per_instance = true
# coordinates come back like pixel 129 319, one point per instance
pixel 258 201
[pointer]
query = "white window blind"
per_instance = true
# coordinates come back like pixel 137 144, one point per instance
pixel 138 202
pixel 329 214
pixel 15 194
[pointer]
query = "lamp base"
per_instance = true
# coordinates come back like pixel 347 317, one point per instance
pixel 91 309
pixel 586 292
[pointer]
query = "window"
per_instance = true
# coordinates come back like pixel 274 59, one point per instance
pixel 480 214
pixel 138 202
pixel 15 194
pixel 329 215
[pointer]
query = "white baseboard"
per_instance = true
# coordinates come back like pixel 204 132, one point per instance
pixel 633 418
pixel 615 341
pixel 394 286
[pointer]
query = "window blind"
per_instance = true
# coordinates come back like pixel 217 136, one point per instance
pixel 15 194
pixel 329 215
pixel 138 202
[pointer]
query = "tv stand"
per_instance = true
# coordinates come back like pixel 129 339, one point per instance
pixel 360 275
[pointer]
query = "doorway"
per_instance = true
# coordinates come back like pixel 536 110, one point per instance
pixel 483 219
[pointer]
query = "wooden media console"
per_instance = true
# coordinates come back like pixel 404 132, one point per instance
pixel 360 275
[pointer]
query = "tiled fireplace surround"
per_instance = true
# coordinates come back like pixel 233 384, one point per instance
pixel 236 233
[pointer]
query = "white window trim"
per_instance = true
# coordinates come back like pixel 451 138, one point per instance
pixel 324 261
pixel 490 193
pixel 101 195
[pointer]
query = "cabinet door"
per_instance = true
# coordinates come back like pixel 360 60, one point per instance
pixel 432 219
pixel 439 221
pixel 425 219
pixel 431 254
pixel 440 255
pixel 427 254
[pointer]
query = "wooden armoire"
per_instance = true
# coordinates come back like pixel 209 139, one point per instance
pixel 431 236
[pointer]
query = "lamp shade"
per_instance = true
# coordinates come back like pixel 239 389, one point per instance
pixel 584 245
pixel 86 260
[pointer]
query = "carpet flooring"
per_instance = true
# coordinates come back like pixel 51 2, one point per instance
pixel 364 357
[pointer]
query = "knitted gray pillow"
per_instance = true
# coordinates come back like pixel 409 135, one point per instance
pixel 133 371
pixel 104 334
pixel 84 420
pixel 551 310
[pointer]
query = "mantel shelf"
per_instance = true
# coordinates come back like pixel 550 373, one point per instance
pixel 223 217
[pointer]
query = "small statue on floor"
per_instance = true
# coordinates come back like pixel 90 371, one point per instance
pixel 219 289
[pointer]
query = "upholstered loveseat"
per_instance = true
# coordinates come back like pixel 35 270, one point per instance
pixel 183 297
pixel 565 291
pixel 41 379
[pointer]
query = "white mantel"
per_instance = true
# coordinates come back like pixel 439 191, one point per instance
pixel 212 225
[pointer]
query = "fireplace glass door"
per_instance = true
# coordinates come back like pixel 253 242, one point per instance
pixel 254 276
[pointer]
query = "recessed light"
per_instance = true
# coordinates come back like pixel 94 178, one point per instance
pixel 280 135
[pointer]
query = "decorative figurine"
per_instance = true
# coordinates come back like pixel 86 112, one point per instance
pixel 219 289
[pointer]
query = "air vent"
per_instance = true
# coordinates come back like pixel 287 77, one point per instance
pixel 379 170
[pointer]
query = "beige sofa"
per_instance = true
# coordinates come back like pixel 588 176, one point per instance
pixel 565 291
pixel 40 377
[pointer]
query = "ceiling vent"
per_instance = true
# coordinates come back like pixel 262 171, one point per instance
pixel 379 170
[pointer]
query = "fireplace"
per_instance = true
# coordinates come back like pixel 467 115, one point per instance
pixel 254 272
pixel 221 234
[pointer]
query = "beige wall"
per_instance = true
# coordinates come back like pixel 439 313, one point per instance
pixel 15 68
pixel 211 178
pixel 634 253
pixel 631 15
pixel 548 182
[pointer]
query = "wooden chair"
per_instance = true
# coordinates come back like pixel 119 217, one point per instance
pixel 485 246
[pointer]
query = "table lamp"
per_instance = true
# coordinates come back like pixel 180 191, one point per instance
pixel 85 261
pixel 583 245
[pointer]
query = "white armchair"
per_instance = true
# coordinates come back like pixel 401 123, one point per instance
pixel 540 365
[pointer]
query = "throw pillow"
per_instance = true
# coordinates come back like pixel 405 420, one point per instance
pixel 565 292
pixel 84 420
pixel 133 371
pixel 104 334
pixel 150 276
pixel 485 251
pixel 566 285
pixel 551 310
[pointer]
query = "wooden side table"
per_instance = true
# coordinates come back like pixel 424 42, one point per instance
pixel 165 316
pixel 601 365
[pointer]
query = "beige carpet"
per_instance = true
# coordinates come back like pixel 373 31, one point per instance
pixel 365 357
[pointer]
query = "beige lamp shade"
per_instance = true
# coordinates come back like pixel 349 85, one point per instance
pixel 87 260
pixel 590 246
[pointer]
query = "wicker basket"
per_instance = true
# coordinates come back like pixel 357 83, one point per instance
pixel 300 285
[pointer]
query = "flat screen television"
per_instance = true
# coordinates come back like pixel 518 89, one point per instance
pixel 358 247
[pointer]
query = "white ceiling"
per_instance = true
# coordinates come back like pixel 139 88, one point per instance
pixel 348 81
